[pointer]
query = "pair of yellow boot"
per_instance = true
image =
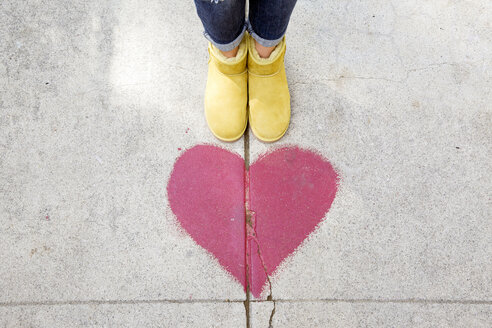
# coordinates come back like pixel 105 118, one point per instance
pixel 231 81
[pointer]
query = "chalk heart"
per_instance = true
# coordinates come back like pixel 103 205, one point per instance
pixel 290 192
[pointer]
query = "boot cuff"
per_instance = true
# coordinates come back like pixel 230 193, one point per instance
pixel 265 66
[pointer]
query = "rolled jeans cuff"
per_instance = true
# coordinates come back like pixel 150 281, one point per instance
pixel 260 40
pixel 228 46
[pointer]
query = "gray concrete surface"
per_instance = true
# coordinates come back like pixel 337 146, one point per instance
pixel 97 99
pixel 369 314
pixel 398 96
pixel 182 315
pixel 94 110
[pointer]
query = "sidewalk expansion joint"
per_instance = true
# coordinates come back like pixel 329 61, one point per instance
pixel 116 302
pixel 212 301
pixel 247 305
pixel 252 236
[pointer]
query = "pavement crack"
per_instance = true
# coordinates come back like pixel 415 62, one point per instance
pixel 253 236
pixel 270 321
pixel 247 304
pixel 406 74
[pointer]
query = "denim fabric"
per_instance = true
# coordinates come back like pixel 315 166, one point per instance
pixel 225 22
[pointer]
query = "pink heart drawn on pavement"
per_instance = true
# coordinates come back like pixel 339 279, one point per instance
pixel 287 191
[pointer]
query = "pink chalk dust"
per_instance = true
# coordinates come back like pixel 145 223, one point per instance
pixel 206 193
pixel 290 191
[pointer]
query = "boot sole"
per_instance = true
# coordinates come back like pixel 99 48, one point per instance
pixel 230 139
pixel 269 140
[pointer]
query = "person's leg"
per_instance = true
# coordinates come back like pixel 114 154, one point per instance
pixel 267 23
pixel 226 92
pixel 224 23
pixel 269 98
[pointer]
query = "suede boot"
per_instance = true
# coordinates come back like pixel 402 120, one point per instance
pixel 226 93
pixel 269 98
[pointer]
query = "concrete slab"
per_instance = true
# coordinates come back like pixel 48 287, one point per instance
pixel 125 315
pixel 98 100
pixel 370 315
pixel 95 107
pixel 397 96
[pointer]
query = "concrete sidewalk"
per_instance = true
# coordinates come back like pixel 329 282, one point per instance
pixel 98 100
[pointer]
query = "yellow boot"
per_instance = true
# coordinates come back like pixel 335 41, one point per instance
pixel 269 99
pixel 226 94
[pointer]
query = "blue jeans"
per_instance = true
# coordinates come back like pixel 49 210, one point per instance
pixel 225 21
